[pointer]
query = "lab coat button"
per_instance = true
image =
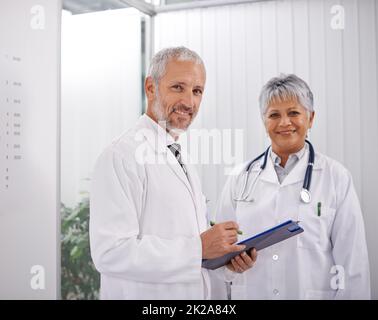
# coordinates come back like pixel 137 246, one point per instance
pixel 275 257
pixel 276 292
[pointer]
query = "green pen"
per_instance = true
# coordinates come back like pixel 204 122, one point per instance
pixel 212 223
pixel 319 209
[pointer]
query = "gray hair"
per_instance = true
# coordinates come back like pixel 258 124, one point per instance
pixel 286 87
pixel 160 60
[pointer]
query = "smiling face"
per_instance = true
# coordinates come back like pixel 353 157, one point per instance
pixel 287 123
pixel 179 94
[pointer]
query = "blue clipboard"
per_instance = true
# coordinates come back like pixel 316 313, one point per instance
pixel 260 241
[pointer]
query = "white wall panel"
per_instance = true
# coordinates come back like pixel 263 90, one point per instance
pixel 285 36
pixel 301 38
pixel 238 70
pixel 224 109
pixel 369 127
pixel 334 81
pixel 351 95
pixel 269 40
pixel 29 149
pixel 245 45
pixel 256 136
pixel 317 69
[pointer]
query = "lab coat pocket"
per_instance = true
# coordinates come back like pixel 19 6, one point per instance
pixel 317 228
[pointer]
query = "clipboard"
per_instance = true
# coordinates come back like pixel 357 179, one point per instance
pixel 260 241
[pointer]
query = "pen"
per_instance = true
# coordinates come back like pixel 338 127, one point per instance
pixel 212 223
pixel 319 209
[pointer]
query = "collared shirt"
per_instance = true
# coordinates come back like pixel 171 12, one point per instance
pixel 283 172
pixel 172 144
pixel 176 150
pixel 162 133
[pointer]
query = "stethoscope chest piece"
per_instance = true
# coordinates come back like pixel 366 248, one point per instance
pixel 305 195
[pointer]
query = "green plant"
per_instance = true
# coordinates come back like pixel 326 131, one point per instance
pixel 80 280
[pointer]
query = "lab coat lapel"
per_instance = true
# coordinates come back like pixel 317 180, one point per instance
pixel 177 169
pixel 199 200
pixel 297 174
pixel 156 137
pixel 269 174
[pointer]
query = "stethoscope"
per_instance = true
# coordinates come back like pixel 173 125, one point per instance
pixel 305 192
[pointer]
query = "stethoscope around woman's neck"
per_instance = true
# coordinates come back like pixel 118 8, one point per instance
pixel 305 194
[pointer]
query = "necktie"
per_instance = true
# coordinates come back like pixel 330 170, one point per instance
pixel 176 148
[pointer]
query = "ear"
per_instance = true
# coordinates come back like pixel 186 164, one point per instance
pixel 149 88
pixel 312 115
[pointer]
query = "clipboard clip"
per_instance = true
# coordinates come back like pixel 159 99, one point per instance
pixel 294 227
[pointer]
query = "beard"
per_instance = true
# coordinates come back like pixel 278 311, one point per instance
pixel 163 118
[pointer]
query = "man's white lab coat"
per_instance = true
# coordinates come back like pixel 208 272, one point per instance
pixel 146 217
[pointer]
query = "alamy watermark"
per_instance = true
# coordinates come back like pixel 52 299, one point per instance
pixel 38 19
pixel 338 280
pixel 205 146
pixel 37 281
pixel 338 17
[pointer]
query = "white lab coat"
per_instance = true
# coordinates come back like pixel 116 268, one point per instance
pixel 306 266
pixel 146 220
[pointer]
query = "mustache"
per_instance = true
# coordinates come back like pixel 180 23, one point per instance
pixel 183 108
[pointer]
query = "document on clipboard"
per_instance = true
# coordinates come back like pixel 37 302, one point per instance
pixel 260 241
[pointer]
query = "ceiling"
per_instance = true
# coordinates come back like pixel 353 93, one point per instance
pixel 150 7
pixel 85 6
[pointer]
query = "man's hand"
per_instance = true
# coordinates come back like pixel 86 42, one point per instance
pixel 243 261
pixel 220 239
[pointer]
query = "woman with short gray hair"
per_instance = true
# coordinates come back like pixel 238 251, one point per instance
pixel 290 181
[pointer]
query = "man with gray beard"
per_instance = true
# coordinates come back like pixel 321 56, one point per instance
pixel 148 227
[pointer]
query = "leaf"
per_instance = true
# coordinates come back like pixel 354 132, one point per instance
pixel 80 279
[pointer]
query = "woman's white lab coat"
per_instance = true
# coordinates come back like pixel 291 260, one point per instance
pixel 146 219
pixel 329 260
